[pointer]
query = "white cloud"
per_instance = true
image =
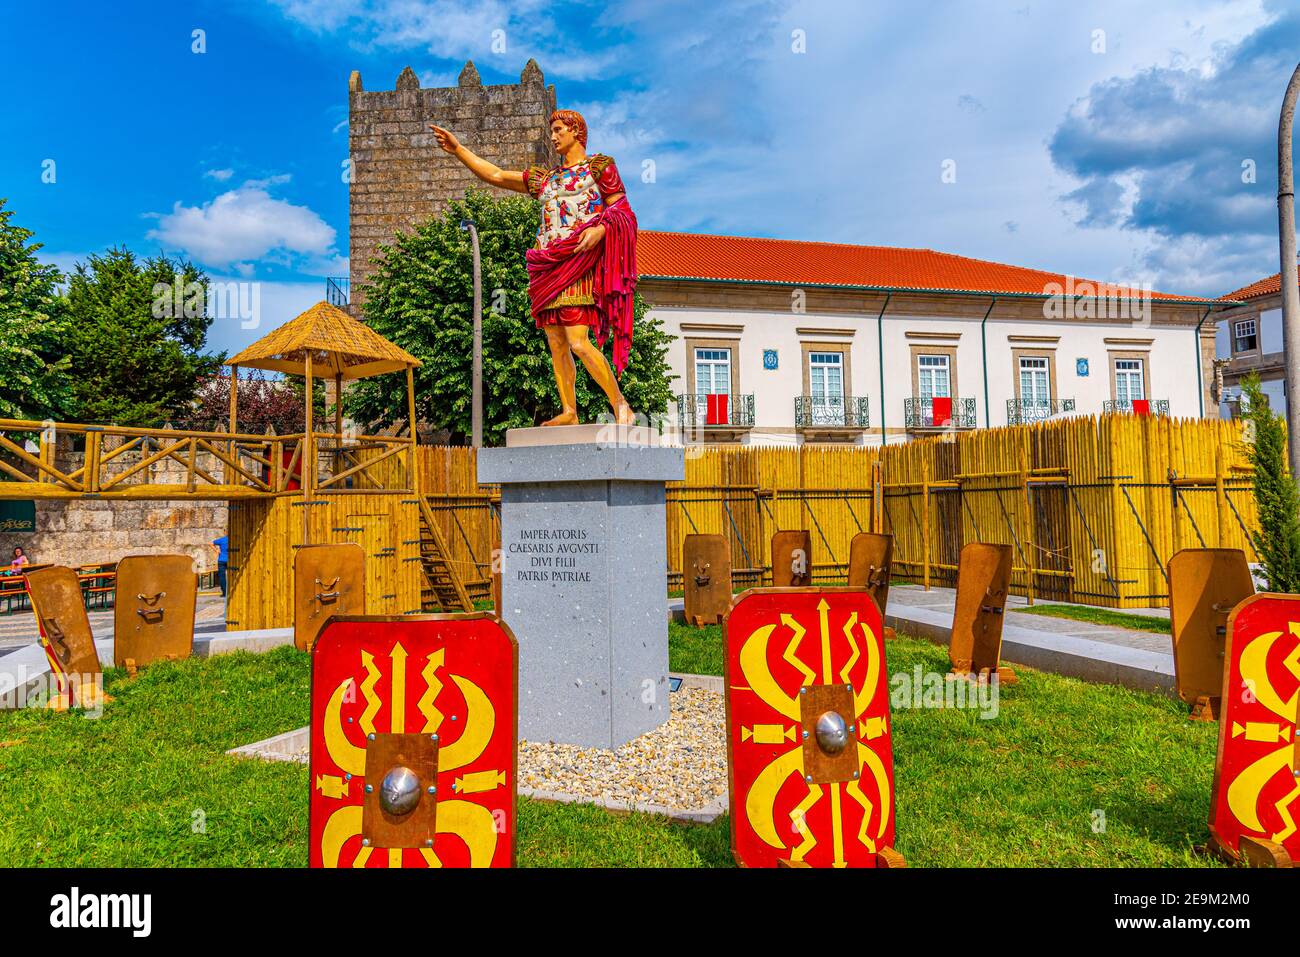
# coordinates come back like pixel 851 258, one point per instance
pixel 246 224
pixel 454 29
pixel 220 175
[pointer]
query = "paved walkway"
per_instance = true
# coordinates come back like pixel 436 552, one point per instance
pixel 19 628
pixel 943 599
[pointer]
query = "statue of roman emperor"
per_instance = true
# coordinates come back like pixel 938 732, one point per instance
pixel 582 271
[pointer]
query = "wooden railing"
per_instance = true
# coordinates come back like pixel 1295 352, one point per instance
pixel 126 462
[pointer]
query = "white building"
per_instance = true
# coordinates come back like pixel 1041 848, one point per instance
pixel 1250 340
pixel 825 342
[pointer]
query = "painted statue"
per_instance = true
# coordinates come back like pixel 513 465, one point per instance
pixel 582 272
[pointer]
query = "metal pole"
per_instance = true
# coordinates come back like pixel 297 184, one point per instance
pixel 1290 282
pixel 476 414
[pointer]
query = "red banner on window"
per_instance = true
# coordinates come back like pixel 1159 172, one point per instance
pixel 1141 406
pixel 717 410
pixel 941 410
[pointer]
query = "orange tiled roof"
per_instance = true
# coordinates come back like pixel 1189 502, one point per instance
pixel 1268 286
pixel 668 255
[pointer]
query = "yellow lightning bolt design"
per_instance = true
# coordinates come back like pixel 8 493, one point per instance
pixel 367 720
pixel 797 818
pixel 1283 808
pixel 853 658
pixel 362 857
pixel 430 858
pixel 855 791
pixel 397 713
pixel 753 665
pixel 809 676
pixel 433 687
pixel 394 857
pixel 823 620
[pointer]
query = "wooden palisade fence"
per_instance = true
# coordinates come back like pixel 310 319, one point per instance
pixel 1094 507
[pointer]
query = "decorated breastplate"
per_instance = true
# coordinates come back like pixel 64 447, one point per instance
pixel 569 198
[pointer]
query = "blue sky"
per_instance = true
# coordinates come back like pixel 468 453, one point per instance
pixel 1107 139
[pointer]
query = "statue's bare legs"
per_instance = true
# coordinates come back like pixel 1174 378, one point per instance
pixel 565 342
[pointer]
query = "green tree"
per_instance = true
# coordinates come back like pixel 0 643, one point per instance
pixel 33 376
pixel 136 334
pixel 421 296
pixel 1277 542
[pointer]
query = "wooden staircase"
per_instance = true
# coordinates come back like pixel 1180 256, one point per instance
pixel 445 590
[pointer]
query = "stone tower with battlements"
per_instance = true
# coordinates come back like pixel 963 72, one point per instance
pixel 400 177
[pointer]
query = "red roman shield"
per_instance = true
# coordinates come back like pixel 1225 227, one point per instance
pixel 414 733
pixel 1255 795
pixel 808 730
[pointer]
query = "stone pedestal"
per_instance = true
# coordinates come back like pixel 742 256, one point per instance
pixel 584 563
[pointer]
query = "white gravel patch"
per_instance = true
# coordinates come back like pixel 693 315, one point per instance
pixel 681 765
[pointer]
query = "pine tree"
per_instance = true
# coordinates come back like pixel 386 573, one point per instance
pixel 421 296
pixel 136 334
pixel 1277 542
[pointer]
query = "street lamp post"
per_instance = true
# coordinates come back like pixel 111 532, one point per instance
pixel 1290 285
pixel 476 414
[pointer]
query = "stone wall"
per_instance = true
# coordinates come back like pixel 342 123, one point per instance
pixel 400 176
pixel 89 531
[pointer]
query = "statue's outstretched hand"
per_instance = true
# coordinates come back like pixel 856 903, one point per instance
pixel 446 138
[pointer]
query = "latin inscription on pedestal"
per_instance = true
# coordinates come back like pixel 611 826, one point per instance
pixel 562 555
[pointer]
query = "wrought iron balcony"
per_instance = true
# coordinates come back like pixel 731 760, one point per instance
pixel 1137 406
pixel 831 412
pixel 338 290
pixel 1025 411
pixel 715 411
pixel 920 413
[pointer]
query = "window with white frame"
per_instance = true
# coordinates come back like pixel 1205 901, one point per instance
pixel 1035 382
pixel 1245 335
pixel 1129 380
pixel 933 376
pixel 712 371
pixel 826 378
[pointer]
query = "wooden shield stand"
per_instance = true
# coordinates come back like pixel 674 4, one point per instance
pixel 153 611
pixel 871 559
pixel 328 580
pixel 706 577
pixel 983 580
pixel 66 636
pixel 1205 584
pixel 792 559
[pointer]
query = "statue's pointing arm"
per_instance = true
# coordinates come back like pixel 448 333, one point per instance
pixel 488 172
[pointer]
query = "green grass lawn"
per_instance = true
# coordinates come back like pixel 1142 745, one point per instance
pixel 149 784
pixel 1100 616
